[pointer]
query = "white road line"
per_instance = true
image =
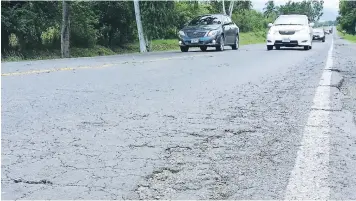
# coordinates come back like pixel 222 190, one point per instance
pixel 327 98
pixel 309 178
pixel 326 78
pixel 329 60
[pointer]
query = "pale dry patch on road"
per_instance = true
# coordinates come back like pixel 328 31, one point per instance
pixel 309 178
pixel 100 66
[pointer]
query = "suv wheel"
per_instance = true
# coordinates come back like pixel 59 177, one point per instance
pixel 269 47
pixel 221 44
pixel 184 48
pixel 237 43
pixel 203 48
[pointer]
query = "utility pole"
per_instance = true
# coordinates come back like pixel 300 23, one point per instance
pixel 139 26
pixel 223 7
pixel 231 7
pixel 65 30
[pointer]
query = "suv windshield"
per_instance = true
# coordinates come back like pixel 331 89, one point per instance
pixel 205 20
pixel 290 20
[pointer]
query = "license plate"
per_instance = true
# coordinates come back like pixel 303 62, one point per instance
pixel 286 40
pixel 196 40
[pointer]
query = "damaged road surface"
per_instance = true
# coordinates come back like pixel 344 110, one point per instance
pixel 199 125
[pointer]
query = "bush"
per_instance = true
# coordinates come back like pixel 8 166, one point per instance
pixel 82 23
pixel 91 52
pixel 250 21
pixel 51 38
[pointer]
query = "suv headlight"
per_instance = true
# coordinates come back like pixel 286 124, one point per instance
pixel 303 31
pixel 213 33
pixel 181 33
pixel 272 32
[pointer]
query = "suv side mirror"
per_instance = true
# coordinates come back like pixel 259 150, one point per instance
pixel 270 25
pixel 311 24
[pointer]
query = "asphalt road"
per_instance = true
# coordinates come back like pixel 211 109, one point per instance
pixel 199 125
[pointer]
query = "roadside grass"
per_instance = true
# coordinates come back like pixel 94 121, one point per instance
pixel 30 55
pixel 252 38
pixel 156 45
pixel 164 45
pixel 349 37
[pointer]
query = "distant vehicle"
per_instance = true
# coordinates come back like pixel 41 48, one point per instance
pixel 213 30
pixel 318 34
pixel 290 31
pixel 324 30
pixel 328 30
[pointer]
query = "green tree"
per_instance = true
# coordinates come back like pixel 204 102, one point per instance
pixel 27 21
pixel 270 9
pixel 312 8
pixel 83 21
pixel 347 16
pixel 159 18
pixel 249 20
pixel 186 11
pixel 116 22
pixel 243 5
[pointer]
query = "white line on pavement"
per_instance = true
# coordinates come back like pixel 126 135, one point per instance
pixel 309 178
pixel 329 60
pixel 325 78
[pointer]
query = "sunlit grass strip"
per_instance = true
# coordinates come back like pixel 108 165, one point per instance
pixel 349 37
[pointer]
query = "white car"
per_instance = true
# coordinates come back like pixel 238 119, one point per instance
pixel 319 34
pixel 290 31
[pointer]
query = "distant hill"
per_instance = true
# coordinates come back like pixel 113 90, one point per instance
pixel 325 24
pixel 329 14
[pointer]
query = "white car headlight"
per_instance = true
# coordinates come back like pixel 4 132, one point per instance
pixel 181 33
pixel 303 31
pixel 212 33
pixel 272 32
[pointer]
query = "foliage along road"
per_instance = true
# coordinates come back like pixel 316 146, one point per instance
pixel 196 125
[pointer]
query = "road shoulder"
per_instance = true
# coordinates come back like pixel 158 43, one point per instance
pixel 343 129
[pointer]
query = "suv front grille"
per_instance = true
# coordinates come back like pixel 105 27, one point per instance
pixel 286 32
pixel 292 42
pixel 195 34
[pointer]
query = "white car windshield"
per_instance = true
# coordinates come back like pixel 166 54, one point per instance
pixel 318 31
pixel 290 20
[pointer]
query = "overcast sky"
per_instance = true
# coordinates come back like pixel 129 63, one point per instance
pixel 331 7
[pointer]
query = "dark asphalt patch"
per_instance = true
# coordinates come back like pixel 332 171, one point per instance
pixel 33 182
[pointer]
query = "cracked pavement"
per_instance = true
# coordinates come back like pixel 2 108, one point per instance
pixel 196 125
